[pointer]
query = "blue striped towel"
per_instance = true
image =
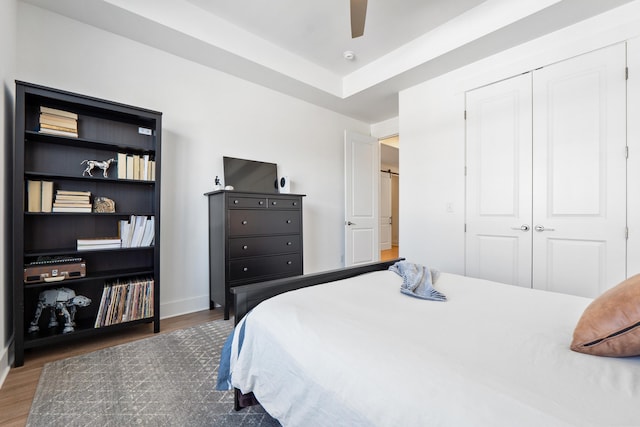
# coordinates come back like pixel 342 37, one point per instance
pixel 416 281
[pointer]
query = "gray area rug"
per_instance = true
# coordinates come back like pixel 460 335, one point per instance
pixel 165 380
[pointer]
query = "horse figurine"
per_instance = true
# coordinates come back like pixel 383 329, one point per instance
pixel 63 300
pixel 104 165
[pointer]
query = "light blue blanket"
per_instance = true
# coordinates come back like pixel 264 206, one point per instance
pixel 417 280
pixel 224 369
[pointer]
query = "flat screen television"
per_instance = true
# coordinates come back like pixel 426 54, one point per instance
pixel 250 175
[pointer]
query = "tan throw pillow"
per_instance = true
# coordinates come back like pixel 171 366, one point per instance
pixel 610 325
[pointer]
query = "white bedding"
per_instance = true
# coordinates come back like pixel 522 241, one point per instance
pixel 358 352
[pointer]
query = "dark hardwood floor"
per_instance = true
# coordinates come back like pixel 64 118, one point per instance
pixel 20 385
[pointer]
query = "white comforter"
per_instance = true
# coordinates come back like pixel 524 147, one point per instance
pixel 358 353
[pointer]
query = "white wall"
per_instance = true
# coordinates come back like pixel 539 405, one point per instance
pixel 7 74
pixel 206 115
pixel 432 127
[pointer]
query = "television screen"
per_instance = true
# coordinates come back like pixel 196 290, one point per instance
pixel 250 175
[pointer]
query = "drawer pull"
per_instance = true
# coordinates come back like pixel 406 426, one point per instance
pixel 295 203
pixel 288 221
pixel 245 247
pixel 235 202
pixel 245 269
pixel 274 203
pixel 289 243
pixel 261 202
pixel 289 262
pixel 245 222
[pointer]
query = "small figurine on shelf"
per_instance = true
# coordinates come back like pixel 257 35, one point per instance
pixel 101 164
pixel 216 184
pixel 63 300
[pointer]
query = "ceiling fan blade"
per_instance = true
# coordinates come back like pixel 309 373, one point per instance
pixel 358 15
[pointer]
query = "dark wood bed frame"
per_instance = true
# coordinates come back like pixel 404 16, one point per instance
pixel 246 297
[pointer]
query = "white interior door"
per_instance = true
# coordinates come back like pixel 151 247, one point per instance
pixel 362 171
pixel 579 183
pixel 498 195
pixel 385 211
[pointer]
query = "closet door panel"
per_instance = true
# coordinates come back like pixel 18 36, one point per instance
pixel 498 194
pixel 579 174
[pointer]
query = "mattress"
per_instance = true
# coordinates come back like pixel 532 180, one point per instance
pixel 357 352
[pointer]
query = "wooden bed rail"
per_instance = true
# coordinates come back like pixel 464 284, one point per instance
pixel 248 296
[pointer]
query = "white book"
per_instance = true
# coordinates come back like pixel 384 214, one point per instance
pixel 71 209
pixel 138 231
pixel 123 226
pixel 149 232
pixel 98 247
pixel 145 168
pixel 99 241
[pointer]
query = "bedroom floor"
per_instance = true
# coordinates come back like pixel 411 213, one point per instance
pixel 389 254
pixel 20 385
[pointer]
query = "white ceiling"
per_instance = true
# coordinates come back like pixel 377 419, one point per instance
pixel 296 46
pixel 319 31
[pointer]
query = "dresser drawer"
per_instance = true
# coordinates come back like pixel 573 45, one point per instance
pixel 256 222
pixel 241 247
pixel 247 202
pixel 274 202
pixel 254 268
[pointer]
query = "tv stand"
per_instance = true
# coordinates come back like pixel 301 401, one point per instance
pixel 253 237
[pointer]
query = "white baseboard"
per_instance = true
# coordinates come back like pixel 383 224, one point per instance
pixel 5 362
pixel 184 306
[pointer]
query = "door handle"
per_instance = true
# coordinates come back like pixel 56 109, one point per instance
pixel 351 223
pixel 540 228
pixel 523 227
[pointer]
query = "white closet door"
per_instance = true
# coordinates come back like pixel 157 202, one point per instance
pixel 498 194
pixel 579 179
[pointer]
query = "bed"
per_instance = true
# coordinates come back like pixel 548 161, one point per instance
pixel 355 351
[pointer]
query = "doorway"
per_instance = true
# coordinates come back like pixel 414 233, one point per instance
pixel 389 199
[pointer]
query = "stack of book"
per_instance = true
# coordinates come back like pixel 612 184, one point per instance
pixel 99 243
pixel 125 301
pixel 136 166
pixel 39 196
pixel 58 122
pixel 137 231
pixel 72 201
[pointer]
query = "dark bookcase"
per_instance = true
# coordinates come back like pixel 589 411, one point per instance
pixel 105 129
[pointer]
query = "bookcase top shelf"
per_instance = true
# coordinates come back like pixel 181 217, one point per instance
pixel 75 101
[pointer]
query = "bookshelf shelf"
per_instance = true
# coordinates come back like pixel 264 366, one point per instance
pixel 96 275
pixel 34 136
pixel 100 179
pixel 72 251
pixel 104 130
pixel 84 329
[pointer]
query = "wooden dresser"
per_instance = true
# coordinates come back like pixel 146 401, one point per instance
pixel 253 237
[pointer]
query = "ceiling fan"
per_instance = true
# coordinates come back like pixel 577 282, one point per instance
pixel 358 15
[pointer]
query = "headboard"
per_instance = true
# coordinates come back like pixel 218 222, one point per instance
pixel 248 296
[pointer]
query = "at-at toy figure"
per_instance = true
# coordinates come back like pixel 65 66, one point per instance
pixel 63 300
